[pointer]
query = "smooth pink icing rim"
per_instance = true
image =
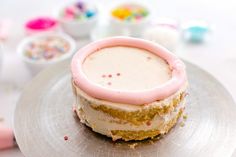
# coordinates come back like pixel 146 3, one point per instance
pixel 177 80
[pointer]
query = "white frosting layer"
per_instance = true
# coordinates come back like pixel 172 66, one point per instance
pixel 126 68
pixel 104 124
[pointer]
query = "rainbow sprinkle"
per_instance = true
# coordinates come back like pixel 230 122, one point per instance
pixel 78 11
pixel 130 12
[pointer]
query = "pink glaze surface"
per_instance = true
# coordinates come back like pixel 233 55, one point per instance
pixel 140 97
pixel 41 24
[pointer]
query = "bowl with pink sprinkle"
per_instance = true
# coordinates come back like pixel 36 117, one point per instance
pixel 78 18
pixel 41 24
pixel 42 50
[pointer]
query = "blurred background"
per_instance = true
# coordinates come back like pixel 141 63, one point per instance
pixel 214 50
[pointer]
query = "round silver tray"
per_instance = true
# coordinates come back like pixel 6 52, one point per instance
pixel 44 116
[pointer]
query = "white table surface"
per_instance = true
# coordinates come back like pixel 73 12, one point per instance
pixel 217 56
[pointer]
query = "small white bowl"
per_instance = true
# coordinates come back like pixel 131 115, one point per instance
pixel 77 28
pixel 164 31
pixel 36 66
pixel 135 28
pixel 102 32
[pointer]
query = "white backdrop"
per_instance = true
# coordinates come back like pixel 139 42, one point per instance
pixel 217 56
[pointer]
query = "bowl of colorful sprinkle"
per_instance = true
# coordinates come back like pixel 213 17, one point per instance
pixel 41 24
pixel 131 16
pixel 42 50
pixel 78 18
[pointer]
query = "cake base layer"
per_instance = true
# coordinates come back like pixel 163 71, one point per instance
pixel 128 135
pixel 141 135
pixel 129 122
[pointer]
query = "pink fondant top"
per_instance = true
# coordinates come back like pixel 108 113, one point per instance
pixel 136 97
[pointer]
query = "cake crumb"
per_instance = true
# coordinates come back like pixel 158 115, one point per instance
pixel 110 75
pixel 148 123
pixel 93 126
pixel 74 108
pixel 132 146
pixel 1 119
pixel 151 142
pixel 182 124
pixel 185 116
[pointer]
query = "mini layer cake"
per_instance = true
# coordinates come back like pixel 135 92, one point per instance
pixel 128 88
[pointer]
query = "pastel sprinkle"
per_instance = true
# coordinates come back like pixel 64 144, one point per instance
pixel 80 5
pixel 130 12
pixel 90 13
pixel 46 48
pixel 78 11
